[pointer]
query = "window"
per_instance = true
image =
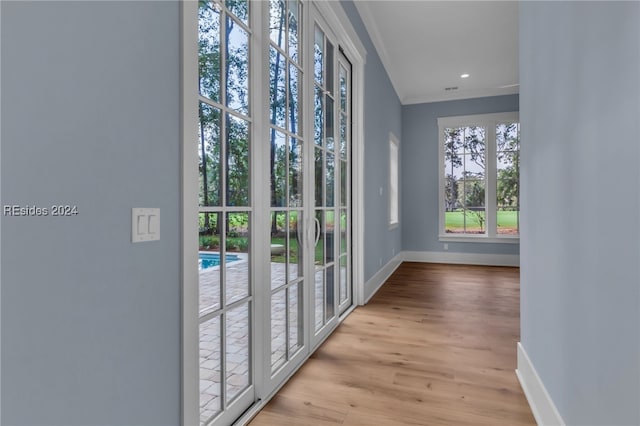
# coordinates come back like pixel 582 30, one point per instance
pixel 394 213
pixel 479 177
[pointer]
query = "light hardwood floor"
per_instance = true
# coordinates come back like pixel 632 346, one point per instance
pixel 435 346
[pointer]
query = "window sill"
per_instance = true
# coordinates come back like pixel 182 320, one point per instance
pixel 478 239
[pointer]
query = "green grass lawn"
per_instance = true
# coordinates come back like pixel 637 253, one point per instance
pixel 508 220
pixel 455 220
pixel 293 250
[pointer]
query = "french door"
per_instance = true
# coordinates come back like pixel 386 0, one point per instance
pixel 309 163
pixel 331 182
pixel 226 211
pixel 274 215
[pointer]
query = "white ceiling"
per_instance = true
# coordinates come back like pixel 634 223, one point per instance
pixel 426 45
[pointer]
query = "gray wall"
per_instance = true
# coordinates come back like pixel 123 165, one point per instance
pixel 580 248
pixel 382 114
pixel 420 164
pixel 90 117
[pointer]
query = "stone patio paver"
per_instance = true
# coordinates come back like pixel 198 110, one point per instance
pixel 237 330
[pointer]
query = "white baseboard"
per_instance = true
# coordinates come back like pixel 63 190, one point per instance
pixel 372 286
pixel 461 258
pixel 542 406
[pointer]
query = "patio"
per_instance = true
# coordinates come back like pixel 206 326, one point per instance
pixel 237 329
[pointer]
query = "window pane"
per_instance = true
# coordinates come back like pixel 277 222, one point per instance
pixel 295 173
pixel 237 67
pixel 454 221
pixel 278 249
pixel 277 87
pixel 294 13
pixel 343 89
pixel 344 284
pixel 344 231
pixel 507 178
pixel 209 261
pixel 295 103
pixel 464 180
pixel 209 153
pixel 473 166
pixel 278 329
pixel 343 136
pixel 277 22
pixel 453 141
pixel 296 334
pixel 329 235
pixel 237 161
pixel 454 180
pixel 319 175
pixel 319 299
pixel 329 68
pixel 295 244
pixel 209 51
pixel 236 260
pixel 329 294
pixel 508 137
pixel 344 178
pixel 329 129
pixel 318 117
pixel 474 144
pixel 331 174
pixel 508 220
pixel 237 351
pixel 474 201
pixel 318 56
pixel 278 169
pixel 473 192
pixel 240 8
pixel 507 190
pixel 474 221
pixel 210 363
pixel 453 172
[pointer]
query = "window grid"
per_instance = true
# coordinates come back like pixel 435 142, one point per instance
pixel 479 190
pixel 225 215
pixel 287 141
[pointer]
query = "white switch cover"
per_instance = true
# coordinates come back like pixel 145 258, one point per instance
pixel 145 225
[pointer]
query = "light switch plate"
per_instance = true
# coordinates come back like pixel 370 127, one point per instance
pixel 145 224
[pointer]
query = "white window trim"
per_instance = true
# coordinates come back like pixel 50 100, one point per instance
pixel 394 198
pixel 489 121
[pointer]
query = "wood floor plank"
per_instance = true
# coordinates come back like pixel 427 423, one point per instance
pixel 435 346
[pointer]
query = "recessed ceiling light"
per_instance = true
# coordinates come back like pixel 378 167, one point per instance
pixel 464 75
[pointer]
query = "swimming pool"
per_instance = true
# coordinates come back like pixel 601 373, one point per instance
pixel 209 260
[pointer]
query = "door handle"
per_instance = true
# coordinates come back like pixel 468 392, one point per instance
pixel 318 230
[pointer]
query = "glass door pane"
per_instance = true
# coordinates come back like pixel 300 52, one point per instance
pixel 327 181
pixel 343 220
pixel 287 144
pixel 225 216
pixel 508 178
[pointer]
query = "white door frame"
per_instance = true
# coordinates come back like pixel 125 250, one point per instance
pixel 190 391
